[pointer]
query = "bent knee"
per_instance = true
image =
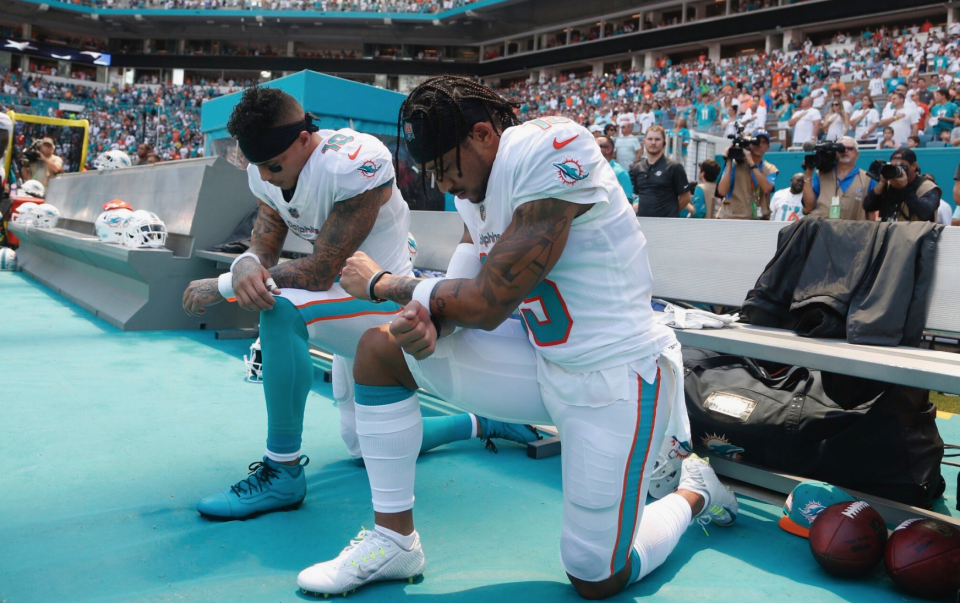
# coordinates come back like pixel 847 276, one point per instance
pixel 282 317
pixel 375 346
pixel 595 591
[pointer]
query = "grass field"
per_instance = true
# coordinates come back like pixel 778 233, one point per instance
pixel 946 403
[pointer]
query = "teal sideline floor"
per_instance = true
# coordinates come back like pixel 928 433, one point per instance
pixel 110 439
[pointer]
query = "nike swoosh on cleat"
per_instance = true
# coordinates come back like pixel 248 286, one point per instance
pixel 559 145
pixel 357 152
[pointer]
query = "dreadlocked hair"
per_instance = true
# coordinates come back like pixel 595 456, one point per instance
pixel 427 101
pixel 260 109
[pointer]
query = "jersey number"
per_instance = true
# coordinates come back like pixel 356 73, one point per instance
pixel 335 142
pixel 546 122
pixel 545 315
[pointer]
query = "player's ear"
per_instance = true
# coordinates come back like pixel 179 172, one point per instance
pixel 483 133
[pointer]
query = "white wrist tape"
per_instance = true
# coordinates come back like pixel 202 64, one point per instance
pixel 225 285
pixel 464 263
pixel 423 291
pixel 244 255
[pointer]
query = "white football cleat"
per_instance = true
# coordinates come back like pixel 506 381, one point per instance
pixel 720 505
pixel 370 557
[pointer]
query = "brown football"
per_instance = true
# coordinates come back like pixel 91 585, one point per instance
pixel 923 558
pixel 847 538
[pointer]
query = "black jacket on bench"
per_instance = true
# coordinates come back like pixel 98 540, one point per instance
pixel 863 281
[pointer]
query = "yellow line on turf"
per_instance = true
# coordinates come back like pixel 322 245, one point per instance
pixel 944 415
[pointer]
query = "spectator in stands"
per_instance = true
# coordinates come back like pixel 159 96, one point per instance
pixel 902 119
pixel 143 151
pixel 924 94
pixel 865 120
pixel 908 198
pixel 746 185
pixel 607 149
pixel 887 142
pixel 835 121
pixel 647 118
pixel 628 147
pixel 876 86
pixel 913 142
pixel 706 114
pixel 944 115
pixel 838 192
pixel 47 165
pixel 805 123
pixel 783 110
pixel 786 205
pixel 729 122
pixel 682 133
pixel 660 183
pixel 704 195
pixel 6 130
pixel 755 118
pixel 837 95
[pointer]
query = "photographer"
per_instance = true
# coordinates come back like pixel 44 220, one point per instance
pixel 901 193
pixel 746 185
pixel 6 131
pixel 837 188
pixel 39 162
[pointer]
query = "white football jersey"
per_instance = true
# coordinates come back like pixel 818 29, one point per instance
pixel 592 312
pixel 344 165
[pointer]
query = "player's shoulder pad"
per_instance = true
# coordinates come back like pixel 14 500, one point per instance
pixel 552 138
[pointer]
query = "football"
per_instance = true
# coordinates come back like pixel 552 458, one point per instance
pixel 923 558
pixel 847 538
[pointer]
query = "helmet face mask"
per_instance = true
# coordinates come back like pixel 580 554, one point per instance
pixel 254 363
pixel 32 188
pixel 144 229
pixel 26 214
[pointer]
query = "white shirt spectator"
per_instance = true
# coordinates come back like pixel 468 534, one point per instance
pixel 626 148
pixel 627 118
pixel 819 96
pixel 954 28
pixel 646 120
pixel 871 117
pixel 803 130
pixel 785 206
pixel 903 126
pixel 944 213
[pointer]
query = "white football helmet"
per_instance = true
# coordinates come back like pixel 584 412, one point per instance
pixel 26 214
pixel 46 216
pixel 8 259
pixel 109 225
pixel 254 363
pixel 144 229
pixel 412 248
pixel 32 188
pixel 112 160
pixel 666 472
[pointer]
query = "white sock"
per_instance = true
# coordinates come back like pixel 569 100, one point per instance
pixel 405 542
pixel 473 425
pixel 390 438
pixel 662 525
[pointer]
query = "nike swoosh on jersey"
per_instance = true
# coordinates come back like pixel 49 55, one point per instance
pixel 559 145
pixel 357 152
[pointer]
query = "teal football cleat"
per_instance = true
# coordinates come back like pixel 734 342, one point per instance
pixel 515 432
pixel 270 487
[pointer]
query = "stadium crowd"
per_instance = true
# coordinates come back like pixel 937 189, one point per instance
pixel 375 6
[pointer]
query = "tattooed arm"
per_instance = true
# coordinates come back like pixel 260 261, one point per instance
pixel 269 231
pixel 529 248
pixel 341 235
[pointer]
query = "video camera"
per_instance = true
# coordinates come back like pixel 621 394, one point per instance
pixel 880 168
pixel 821 156
pixel 740 144
pixel 32 152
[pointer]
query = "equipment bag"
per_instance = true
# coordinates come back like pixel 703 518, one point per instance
pixel 869 436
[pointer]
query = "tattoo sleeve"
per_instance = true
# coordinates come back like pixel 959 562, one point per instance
pixel 341 235
pixel 528 249
pixel 269 232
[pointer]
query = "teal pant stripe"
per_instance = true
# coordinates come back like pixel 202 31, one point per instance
pixel 287 374
pixel 647 409
pixel 634 565
pixel 328 310
pixel 378 395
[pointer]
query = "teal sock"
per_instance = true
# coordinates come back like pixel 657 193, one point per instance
pixel 438 431
pixel 287 375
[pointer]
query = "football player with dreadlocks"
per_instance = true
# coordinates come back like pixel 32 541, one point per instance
pixel 336 190
pixel 550 233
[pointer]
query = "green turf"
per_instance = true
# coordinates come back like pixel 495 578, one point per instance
pixel 110 438
pixel 946 403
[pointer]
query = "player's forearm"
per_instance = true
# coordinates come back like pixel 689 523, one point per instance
pixel 315 272
pixel 267 237
pixel 457 302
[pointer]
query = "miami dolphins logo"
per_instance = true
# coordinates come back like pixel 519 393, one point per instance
pixel 720 445
pixel 294 213
pixel 369 169
pixel 811 510
pixel 570 171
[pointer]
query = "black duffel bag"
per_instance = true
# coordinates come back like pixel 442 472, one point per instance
pixel 874 437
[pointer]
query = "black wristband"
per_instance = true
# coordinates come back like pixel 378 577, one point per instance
pixel 372 284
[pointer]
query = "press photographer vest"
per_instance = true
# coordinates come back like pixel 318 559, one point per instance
pixel 904 214
pixel 851 201
pixel 739 205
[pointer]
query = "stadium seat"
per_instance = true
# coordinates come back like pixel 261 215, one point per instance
pixel 776 146
pixel 934 144
pixel 925 138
